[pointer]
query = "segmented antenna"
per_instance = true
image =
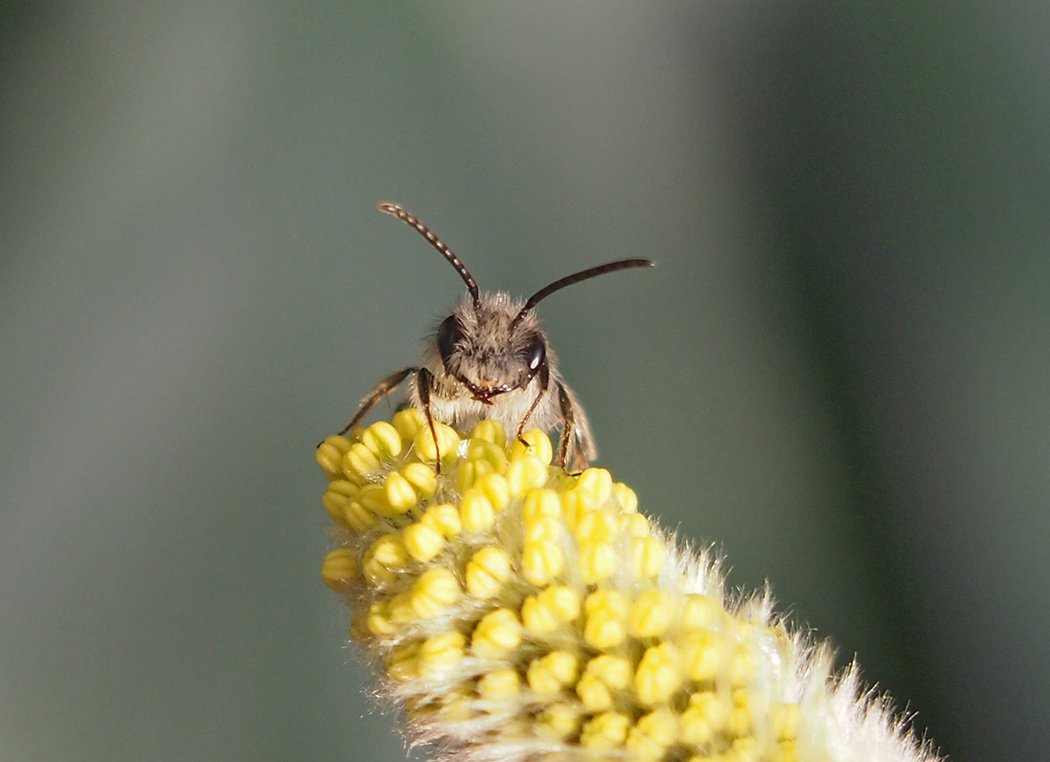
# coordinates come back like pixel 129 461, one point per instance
pixel 568 280
pixel 406 216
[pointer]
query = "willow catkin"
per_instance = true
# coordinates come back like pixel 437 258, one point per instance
pixel 519 612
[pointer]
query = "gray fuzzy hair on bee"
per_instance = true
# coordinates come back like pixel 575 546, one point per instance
pixel 489 358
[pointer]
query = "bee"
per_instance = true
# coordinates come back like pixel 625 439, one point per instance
pixel 489 358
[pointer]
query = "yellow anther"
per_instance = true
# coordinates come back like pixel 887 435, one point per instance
pixel 612 601
pixel 440 654
pixel 703 652
pixel 360 461
pixel 541 503
pixel 544 612
pixel 633 524
pixel 490 431
pixel 700 612
pixel 643 748
pixel 498 632
pixel 787 751
pixel 738 723
pixel 597 561
pixel 703 718
pixel 499 685
pixel 563 601
pixel 558 721
pixel 468 472
pixel 626 498
pixel 744 750
pixel 447 441
pixel 377 620
pixel 373 497
pixel 595 526
pixel 607 730
pixel 383 440
pixel 399 493
pixel 422 542
pixel 562 665
pixel 572 508
pixel 658 675
pixel 384 559
pixel 785 721
pixel 339 569
pixel 401 663
pixel 710 703
pixel 594 694
pixel 647 556
pixel 539 445
pixel 596 486
pixel 408 422
pixel 614 671
pixel 541 562
pixel 543 529
pixel 476 513
pixel 606 625
pixel 496 490
pixel 358 517
pixel 563 481
pixel 443 518
pixel 744 698
pixel 549 674
pixel 400 608
pixel 525 473
pixel 487 572
pixel 330 454
pixel 741 666
pixel 421 477
pixel 651 614
pixel 358 629
pixel 538 617
pixel 486 452
pixel 335 499
pixel 434 592
pixel 457 707
pixel 653 733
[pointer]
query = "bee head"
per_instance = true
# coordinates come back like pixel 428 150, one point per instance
pixel 491 343
pixel 491 347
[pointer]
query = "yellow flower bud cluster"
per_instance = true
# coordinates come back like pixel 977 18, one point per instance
pixel 521 612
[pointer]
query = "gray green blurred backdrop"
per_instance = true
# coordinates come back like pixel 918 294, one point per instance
pixel 838 371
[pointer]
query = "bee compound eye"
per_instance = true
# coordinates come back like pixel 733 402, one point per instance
pixel 447 335
pixel 536 353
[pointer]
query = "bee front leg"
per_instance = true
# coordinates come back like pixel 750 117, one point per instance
pixel 544 377
pixel 576 437
pixel 385 387
pixel 424 382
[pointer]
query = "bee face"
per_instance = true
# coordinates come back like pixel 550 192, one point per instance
pixel 490 347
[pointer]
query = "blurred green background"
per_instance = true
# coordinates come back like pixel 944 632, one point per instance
pixel 838 372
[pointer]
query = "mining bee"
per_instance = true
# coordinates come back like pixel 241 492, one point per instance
pixel 490 359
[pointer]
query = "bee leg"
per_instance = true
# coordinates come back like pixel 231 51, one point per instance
pixel 424 380
pixel 576 444
pixel 381 390
pixel 544 380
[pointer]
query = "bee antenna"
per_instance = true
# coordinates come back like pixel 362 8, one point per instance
pixel 568 280
pixel 407 217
